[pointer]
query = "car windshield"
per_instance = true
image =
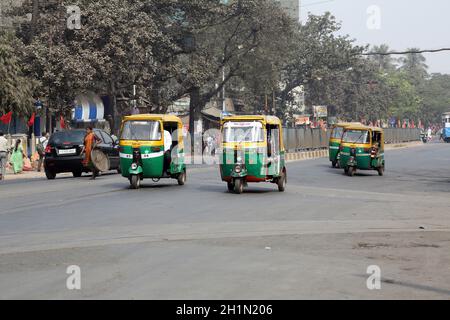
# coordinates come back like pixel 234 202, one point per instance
pixel 356 136
pixel 243 132
pixel 337 133
pixel 141 130
pixel 67 137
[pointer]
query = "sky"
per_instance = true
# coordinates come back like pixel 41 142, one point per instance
pixel 401 24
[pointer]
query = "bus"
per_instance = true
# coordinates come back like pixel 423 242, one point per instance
pixel 446 127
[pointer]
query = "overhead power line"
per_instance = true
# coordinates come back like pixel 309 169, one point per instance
pixel 405 52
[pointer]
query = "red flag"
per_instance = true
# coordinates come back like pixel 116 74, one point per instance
pixel 62 123
pixel 6 118
pixel 31 121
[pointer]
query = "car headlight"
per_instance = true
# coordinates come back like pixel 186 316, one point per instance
pixel 134 166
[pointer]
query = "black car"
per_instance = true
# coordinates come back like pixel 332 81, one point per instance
pixel 63 152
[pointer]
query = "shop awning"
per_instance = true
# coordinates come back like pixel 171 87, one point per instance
pixel 88 108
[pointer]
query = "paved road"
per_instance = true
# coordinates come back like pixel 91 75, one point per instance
pixel 200 242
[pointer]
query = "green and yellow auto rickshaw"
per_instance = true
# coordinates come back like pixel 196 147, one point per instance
pixel 362 148
pixel 151 147
pixel 252 151
pixel 337 130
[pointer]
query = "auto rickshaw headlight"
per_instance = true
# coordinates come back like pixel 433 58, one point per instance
pixel 238 169
pixel 134 166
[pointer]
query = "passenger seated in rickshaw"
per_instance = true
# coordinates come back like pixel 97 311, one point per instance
pixel 167 150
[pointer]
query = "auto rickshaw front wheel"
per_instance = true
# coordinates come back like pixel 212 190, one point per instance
pixel 282 182
pixel 182 178
pixel 135 182
pixel 238 186
pixel 351 171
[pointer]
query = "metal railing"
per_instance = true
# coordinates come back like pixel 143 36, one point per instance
pixel 312 139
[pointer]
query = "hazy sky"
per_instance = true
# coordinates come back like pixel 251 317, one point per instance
pixel 403 24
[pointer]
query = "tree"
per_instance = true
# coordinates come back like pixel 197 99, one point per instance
pixel 16 91
pixel 384 61
pixel 414 65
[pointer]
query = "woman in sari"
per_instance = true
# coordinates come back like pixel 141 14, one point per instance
pixel 17 157
pixel 89 141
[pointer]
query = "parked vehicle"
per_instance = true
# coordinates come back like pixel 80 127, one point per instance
pixel 252 151
pixel 63 152
pixel 446 127
pixel 362 148
pixel 337 131
pixel 152 147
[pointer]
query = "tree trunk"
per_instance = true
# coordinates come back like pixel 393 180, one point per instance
pixel 113 101
pixel 194 113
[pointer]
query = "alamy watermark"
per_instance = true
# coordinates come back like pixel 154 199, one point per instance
pixel 73 282
pixel 374 280
pixel 374 17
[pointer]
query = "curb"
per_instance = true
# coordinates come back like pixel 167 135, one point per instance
pixel 306 155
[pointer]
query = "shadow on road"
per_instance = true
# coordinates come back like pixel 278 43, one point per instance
pixel 411 285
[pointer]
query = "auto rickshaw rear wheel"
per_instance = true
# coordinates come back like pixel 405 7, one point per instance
pixel 381 171
pixel 334 164
pixel 238 186
pixel 230 186
pixel 135 181
pixel 182 178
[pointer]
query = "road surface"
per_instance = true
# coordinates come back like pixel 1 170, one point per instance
pixel 315 241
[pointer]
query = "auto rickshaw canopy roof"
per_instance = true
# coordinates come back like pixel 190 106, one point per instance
pixel 265 119
pixel 363 127
pixel 347 124
pixel 153 117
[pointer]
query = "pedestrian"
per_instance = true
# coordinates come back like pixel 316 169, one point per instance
pixel 17 157
pixel 42 145
pixel 4 149
pixel 90 139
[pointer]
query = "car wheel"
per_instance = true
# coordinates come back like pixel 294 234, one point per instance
pixel 50 175
pixel 238 186
pixel 135 182
pixel 77 174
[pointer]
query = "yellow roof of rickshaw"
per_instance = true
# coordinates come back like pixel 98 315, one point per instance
pixel 154 117
pixel 347 124
pixel 266 119
pixel 363 127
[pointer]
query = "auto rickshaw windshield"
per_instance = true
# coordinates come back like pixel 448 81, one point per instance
pixel 356 136
pixel 141 131
pixel 243 132
pixel 337 133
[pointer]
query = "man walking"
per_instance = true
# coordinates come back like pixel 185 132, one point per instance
pixel 42 145
pixel 4 149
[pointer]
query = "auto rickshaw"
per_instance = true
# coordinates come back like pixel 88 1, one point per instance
pixel 335 141
pixel 151 147
pixel 252 151
pixel 362 148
